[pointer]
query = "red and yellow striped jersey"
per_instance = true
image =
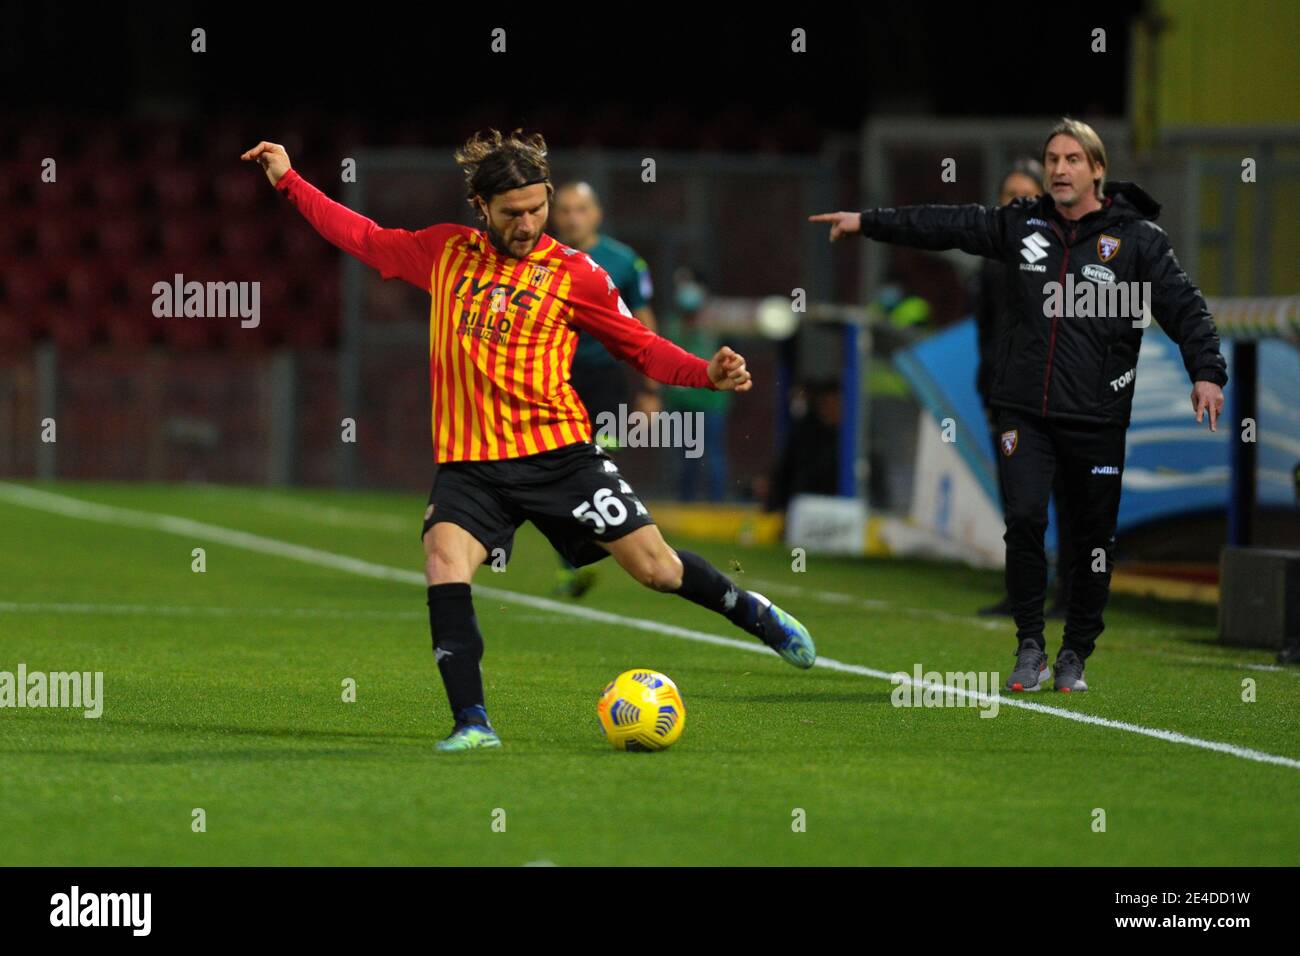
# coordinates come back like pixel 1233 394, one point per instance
pixel 502 331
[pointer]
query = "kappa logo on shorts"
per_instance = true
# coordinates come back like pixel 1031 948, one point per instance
pixel 1009 442
pixel 1107 246
pixel 428 512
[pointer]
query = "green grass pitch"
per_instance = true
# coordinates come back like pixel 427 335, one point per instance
pixel 224 692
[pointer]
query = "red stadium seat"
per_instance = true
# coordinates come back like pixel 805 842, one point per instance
pixel 71 329
pixel 28 284
pixel 233 335
pixel 61 193
pixel 58 236
pixel 185 238
pixel 304 247
pixel 188 333
pixel 127 327
pixel 275 295
pixel 15 331
pixel 18 237
pixel 133 282
pixel 88 283
pixel 115 189
pixel 328 297
pixel 176 188
pixel 245 237
pixel 121 236
pixel 240 189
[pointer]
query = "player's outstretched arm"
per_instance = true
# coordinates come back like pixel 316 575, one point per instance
pixel 595 306
pixel 395 253
pixel 971 228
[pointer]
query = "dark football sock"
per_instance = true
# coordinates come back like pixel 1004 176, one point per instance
pixel 458 648
pixel 708 587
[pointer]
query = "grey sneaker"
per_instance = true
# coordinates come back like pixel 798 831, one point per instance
pixel 1069 671
pixel 1031 668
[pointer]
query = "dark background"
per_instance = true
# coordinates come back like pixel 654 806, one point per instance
pixel 602 69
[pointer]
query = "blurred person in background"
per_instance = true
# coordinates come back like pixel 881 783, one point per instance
pixel 896 305
pixel 809 462
pixel 600 379
pixel 1023 181
pixel 682 326
pixel 899 319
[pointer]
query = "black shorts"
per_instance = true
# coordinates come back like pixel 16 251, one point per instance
pixel 574 495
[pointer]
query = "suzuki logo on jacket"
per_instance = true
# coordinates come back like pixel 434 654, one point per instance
pixel 1035 247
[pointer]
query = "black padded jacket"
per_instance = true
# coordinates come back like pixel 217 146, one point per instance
pixel 1050 361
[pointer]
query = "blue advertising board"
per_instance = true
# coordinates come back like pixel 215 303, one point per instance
pixel 1172 465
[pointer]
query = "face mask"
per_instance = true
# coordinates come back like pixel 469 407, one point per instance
pixel 689 297
pixel 889 296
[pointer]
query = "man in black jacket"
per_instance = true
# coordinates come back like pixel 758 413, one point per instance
pixel 1023 179
pixel 1063 385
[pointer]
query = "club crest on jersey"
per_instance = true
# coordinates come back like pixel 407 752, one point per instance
pixel 1009 442
pixel 1107 246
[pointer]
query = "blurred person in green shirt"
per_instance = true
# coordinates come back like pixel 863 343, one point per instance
pixel 682 326
pixel 600 379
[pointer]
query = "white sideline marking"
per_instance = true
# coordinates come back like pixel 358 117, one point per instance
pixel 77 508
pixel 876 604
pixel 198 610
pixel 1003 624
pixel 194 610
pixel 201 610
pixel 332 515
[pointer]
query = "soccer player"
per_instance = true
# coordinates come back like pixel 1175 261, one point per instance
pixel 1063 387
pixel 510 437
pixel 596 374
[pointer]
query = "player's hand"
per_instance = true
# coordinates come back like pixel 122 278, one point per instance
pixel 273 158
pixel 842 223
pixel 727 372
pixel 1207 397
